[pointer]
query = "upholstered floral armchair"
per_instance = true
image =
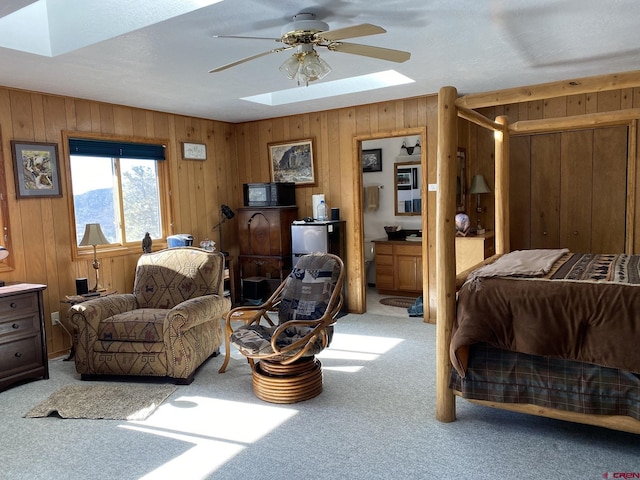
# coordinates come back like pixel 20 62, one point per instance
pixel 168 326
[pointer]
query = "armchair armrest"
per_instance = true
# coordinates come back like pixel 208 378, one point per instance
pixel 316 330
pixel 195 311
pixel 85 318
pixel 94 310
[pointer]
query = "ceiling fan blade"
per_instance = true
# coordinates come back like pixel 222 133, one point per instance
pixel 246 38
pixel 397 56
pixel 252 57
pixel 361 30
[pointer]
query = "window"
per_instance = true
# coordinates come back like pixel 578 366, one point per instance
pixel 118 185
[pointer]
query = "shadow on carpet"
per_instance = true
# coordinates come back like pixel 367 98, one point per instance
pixel 110 402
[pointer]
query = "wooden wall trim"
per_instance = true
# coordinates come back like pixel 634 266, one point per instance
pixel 591 120
pixel 599 83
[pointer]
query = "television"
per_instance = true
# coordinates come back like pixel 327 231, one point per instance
pixel 274 194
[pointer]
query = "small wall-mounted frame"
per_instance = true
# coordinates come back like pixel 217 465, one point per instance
pixel 194 151
pixel 36 169
pixel 292 162
pixel 372 160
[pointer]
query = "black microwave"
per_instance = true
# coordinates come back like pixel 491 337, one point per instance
pixel 275 194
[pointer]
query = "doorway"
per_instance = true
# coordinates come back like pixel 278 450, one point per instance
pixel 373 219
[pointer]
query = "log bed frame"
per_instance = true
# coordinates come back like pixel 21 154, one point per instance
pixel 450 107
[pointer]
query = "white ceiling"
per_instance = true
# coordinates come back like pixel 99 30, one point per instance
pixel 156 54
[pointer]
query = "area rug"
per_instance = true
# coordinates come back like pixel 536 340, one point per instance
pixel 404 302
pixel 112 402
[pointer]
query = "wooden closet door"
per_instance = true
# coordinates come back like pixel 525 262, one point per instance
pixel 576 190
pixel 519 192
pixel 571 187
pixel 609 199
pixel 545 190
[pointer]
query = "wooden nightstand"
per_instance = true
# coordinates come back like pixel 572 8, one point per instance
pixel 473 250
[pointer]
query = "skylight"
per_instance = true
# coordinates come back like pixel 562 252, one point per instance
pixel 362 83
pixel 54 27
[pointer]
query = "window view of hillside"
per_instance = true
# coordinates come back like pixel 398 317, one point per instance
pixel 139 201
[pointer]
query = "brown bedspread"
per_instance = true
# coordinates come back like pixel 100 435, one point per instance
pixel 587 308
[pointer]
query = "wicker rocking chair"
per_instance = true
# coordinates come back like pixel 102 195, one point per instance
pixel 282 354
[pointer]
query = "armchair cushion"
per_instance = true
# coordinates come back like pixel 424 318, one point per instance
pixel 142 325
pixel 255 340
pixel 308 290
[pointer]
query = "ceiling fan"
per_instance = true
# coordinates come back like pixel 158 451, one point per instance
pixel 304 34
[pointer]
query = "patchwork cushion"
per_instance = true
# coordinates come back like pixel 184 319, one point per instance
pixel 254 340
pixel 142 325
pixel 308 289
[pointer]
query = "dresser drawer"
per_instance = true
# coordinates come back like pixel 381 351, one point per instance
pixel 19 324
pixel 22 354
pixel 18 303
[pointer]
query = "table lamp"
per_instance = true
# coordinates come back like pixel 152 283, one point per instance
pixel 478 186
pixel 93 236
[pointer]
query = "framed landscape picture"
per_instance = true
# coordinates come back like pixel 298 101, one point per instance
pixel 292 162
pixel 36 169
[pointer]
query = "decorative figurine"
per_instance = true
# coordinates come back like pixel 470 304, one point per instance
pixel 463 224
pixel 146 243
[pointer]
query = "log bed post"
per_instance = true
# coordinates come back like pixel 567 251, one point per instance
pixel 445 247
pixel 502 187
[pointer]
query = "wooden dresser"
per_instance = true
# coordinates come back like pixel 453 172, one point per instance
pixel 471 251
pixel 265 241
pixel 398 267
pixel 23 344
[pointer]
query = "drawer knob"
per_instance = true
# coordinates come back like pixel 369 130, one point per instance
pixel 13 305
pixel 15 326
pixel 18 354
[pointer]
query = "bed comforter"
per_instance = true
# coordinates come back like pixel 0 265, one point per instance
pixel 583 307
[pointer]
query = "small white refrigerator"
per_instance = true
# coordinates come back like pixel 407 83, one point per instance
pixel 325 237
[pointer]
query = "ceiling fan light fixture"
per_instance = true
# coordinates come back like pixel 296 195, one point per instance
pixel 291 66
pixel 313 67
pixel 305 67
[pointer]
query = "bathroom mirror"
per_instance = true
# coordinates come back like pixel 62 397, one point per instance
pixel 407 188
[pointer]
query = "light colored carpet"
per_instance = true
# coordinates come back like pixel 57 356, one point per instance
pixel 112 402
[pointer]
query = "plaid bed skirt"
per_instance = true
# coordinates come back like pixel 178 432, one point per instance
pixel 503 376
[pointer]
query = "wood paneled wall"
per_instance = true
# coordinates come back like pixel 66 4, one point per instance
pixel 40 227
pixel 237 154
pixel 339 172
pixel 481 144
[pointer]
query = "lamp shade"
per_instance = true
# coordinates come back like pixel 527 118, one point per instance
pixel 93 235
pixel 4 253
pixel 479 185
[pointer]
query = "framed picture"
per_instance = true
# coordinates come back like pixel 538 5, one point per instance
pixel 36 169
pixel 404 178
pixel 194 151
pixel 372 160
pixel 292 162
